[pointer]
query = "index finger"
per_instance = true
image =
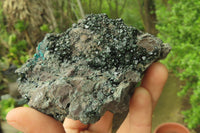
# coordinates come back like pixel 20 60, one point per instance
pixel 154 80
pixel 29 120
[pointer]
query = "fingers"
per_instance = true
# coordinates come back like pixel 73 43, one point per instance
pixel 154 80
pixel 144 100
pixel 139 117
pixel 73 126
pixel 140 111
pixel 138 120
pixel 29 120
pixel 104 125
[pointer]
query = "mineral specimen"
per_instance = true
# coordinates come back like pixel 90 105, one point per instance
pixel 91 68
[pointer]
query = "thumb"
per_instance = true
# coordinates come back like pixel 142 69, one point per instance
pixel 139 117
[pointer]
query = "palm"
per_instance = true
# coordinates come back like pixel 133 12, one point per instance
pixel 138 119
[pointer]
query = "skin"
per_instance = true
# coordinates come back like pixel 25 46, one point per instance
pixel 138 120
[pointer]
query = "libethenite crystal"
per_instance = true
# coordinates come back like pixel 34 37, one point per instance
pixel 89 69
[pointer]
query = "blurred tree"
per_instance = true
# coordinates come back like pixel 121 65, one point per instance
pixel 165 2
pixel 114 8
pixel 131 14
pixel 81 9
pixel 117 7
pixel 148 15
pixel 30 15
pixel 0 128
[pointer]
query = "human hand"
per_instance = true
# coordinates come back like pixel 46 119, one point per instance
pixel 138 119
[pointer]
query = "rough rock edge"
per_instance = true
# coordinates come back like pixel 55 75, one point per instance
pixel 83 60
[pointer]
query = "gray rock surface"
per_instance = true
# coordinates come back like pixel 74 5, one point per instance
pixel 89 69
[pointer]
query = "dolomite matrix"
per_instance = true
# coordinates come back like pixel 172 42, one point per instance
pixel 89 69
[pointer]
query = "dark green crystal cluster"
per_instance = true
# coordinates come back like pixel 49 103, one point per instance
pixel 89 69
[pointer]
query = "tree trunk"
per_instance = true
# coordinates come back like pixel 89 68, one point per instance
pixel 34 14
pixel 123 6
pixel 148 15
pixel 116 7
pixel 165 2
pixel 71 16
pixel 81 8
pixel 90 6
pixel 100 5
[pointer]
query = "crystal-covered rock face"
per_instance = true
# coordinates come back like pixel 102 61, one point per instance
pixel 89 69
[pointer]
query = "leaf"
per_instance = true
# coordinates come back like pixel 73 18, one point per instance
pixel 20 26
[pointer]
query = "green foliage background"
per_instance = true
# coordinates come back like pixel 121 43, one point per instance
pixel 179 25
pixel 6 106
